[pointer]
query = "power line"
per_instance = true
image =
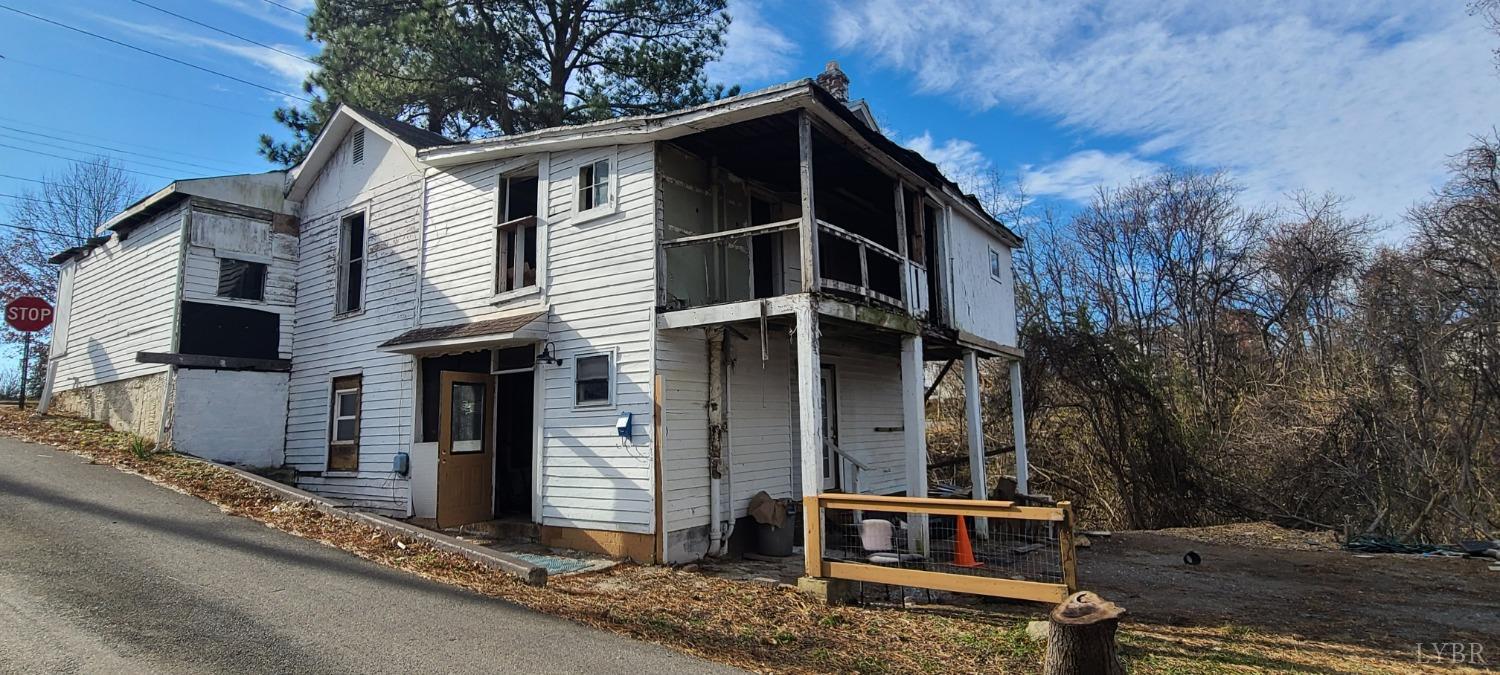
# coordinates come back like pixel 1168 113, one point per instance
pixel 112 149
pixel 46 144
pixel 223 32
pixel 111 139
pixel 38 230
pixel 289 9
pixel 59 71
pixel 84 161
pixel 39 200
pixel 156 54
pixel 33 180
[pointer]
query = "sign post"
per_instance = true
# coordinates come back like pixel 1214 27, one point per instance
pixel 27 314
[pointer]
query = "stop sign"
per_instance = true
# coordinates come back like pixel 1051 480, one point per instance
pixel 28 313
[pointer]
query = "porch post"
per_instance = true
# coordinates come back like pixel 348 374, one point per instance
pixel 1018 422
pixel 974 415
pixel 914 424
pixel 808 231
pixel 810 428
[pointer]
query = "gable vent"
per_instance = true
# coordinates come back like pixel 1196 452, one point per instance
pixel 357 146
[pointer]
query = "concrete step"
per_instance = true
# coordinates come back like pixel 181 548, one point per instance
pixel 502 530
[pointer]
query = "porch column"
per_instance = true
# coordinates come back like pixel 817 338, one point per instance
pixel 1018 422
pixel 914 424
pixel 810 427
pixel 974 415
pixel 807 232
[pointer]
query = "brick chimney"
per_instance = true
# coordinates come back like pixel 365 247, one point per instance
pixel 834 81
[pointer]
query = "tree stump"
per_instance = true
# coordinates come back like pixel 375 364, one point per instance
pixel 1082 639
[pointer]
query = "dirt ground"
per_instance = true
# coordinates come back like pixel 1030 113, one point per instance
pixel 1391 601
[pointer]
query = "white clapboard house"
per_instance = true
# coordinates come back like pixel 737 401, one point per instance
pixel 616 333
pixel 174 322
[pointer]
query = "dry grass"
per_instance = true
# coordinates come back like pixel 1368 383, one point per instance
pixel 743 624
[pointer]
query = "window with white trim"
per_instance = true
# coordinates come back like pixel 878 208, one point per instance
pixel 593 186
pixel 351 267
pixel 515 234
pixel 343 424
pixel 594 379
pixel 997 267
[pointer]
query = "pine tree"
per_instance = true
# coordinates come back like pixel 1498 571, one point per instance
pixel 482 67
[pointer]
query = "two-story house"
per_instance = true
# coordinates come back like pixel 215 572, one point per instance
pixel 616 333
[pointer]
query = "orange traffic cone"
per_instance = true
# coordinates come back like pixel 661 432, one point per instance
pixel 963 554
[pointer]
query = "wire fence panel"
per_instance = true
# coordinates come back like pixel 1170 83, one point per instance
pixel 982 547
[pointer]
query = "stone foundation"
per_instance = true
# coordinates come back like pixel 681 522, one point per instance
pixel 132 405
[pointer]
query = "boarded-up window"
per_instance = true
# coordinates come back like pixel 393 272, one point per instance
pixel 242 279
pixel 343 424
pixel 213 329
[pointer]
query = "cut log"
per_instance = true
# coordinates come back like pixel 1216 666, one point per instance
pixel 1082 640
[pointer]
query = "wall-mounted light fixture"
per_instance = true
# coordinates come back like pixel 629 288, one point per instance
pixel 547 356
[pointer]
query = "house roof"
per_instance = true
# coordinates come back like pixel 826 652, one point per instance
pixel 410 134
pixel 472 335
pixel 253 190
pixel 853 119
pixel 346 116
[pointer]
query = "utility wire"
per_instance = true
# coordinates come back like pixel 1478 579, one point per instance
pixel 39 230
pixel 33 180
pixel 83 161
pixel 223 32
pixel 289 9
pixel 113 149
pixel 46 144
pixel 157 54
pixel 59 71
pixel 71 205
pixel 116 141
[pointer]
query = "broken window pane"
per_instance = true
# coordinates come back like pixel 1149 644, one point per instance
pixel 241 279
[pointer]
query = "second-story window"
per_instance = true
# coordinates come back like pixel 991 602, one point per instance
pixel 516 234
pixel 593 186
pixel 351 269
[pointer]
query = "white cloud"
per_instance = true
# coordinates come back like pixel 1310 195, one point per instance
pixel 1363 98
pixel 959 159
pixel 1077 176
pixel 289 71
pixel 754 50
pixel 273 15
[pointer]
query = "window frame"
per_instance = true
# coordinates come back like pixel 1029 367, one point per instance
pixel 503 224
pixel 996 264
pixel 612 183
pixel 612 365
pixel 354 383
pixel 341 264
pixel 265 273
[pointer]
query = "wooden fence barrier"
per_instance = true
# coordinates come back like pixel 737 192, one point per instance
pixel 988 548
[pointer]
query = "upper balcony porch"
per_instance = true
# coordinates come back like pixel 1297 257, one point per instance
pixel 778 206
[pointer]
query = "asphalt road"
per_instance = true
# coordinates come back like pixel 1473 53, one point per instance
pixel 104 572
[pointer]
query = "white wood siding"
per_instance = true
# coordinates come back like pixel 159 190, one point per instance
pixel 123 302
pixel 762 442
pixel 981 305
pixel 388 184
pixel 213 235
pixel 601 285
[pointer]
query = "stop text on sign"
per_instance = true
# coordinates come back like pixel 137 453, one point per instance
pixel 28 314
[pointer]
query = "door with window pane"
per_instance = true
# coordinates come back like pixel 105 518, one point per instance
pixel 466 423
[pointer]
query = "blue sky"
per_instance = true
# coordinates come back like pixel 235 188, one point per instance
pixel 1365 99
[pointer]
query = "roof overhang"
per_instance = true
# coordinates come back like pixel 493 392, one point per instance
pixel 454 338
pixel 327 143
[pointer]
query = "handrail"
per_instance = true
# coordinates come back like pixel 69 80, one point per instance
pixel 843 453
pixel 859 239
pixel 753 230
pixel 946 507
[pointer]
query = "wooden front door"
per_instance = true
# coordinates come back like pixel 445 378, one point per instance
pixel 466 456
